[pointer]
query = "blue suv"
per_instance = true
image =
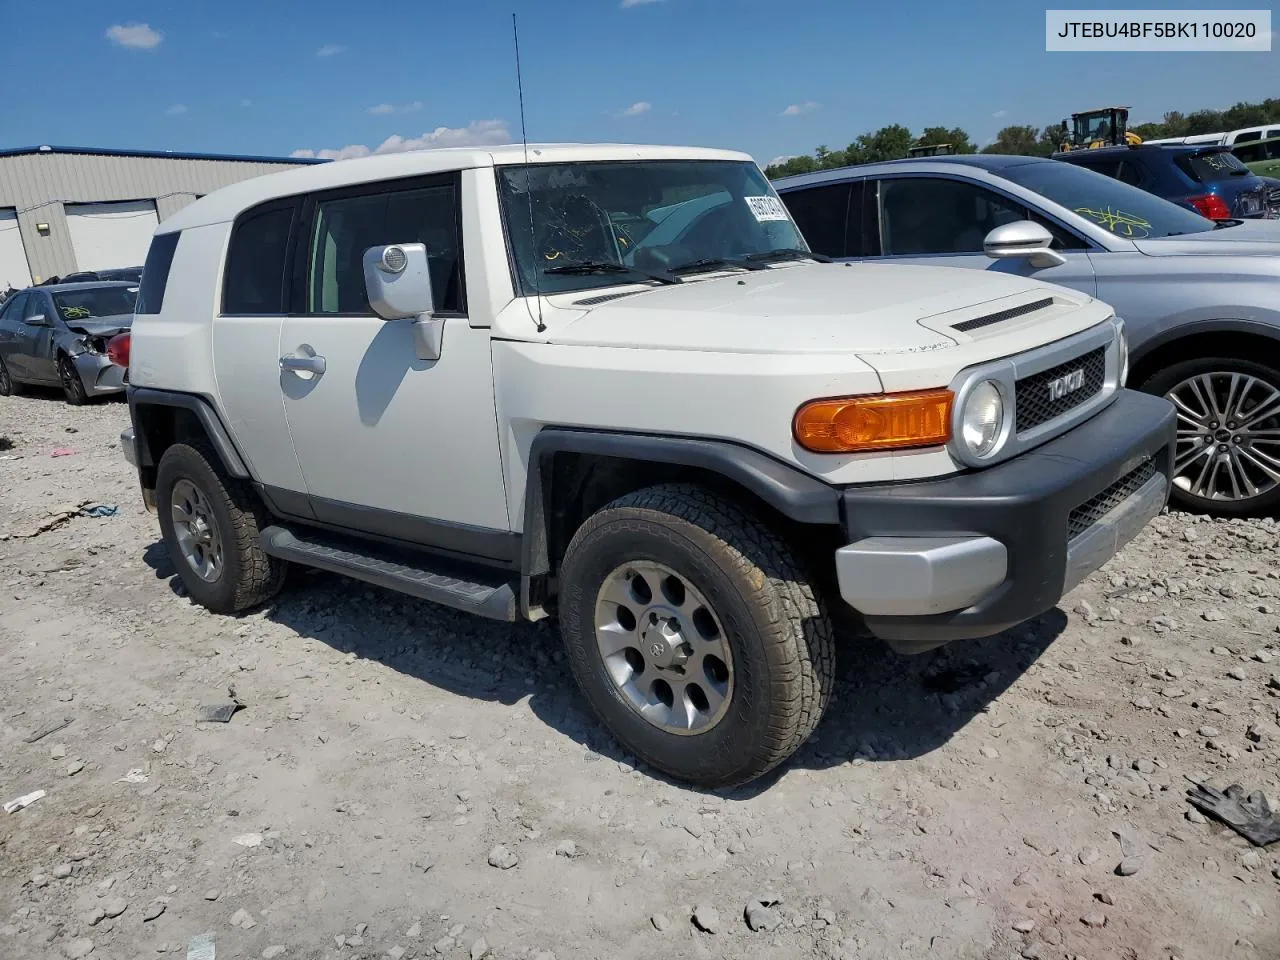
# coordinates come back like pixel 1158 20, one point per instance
pixel 1207 179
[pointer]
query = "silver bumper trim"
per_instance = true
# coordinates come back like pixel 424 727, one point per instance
pixel 914 576
pixel 129 446
pixel 1102 541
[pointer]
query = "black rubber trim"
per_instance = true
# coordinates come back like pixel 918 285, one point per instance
pixel 452 585
pixel 1140 350
pixel 1025 503
pixel 492 545
pixel 979 322
pixel 217 434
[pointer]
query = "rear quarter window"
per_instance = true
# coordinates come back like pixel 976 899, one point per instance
pixel 256 273
pixel 155 273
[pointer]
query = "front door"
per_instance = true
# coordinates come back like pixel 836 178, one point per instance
pixel 942 222
pixel 33 349
pixel 390 444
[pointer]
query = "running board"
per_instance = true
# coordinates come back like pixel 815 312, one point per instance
pixel 414 575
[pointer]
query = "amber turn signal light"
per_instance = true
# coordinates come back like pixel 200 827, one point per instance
pixel 884 421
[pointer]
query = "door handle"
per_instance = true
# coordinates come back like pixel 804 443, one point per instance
pixel 296 364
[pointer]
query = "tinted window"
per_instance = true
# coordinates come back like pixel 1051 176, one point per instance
pixel 1246 137
pixel 821 214
pixel 155 273
pixel 1209 167
pixel 36 303
pixel 255 279
pixel 925 215
pixel 346 227
pixel 13 307
pixel 1128 172
pixel 73 305
pixel 1118 207
pixel 1252 153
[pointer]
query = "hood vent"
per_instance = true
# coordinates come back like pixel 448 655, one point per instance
pixel 979 322
pixel 603 298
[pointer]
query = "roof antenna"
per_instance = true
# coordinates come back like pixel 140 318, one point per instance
pixel 528 190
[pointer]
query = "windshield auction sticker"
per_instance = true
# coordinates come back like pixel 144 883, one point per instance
pixel 767 208
pixel 1158 31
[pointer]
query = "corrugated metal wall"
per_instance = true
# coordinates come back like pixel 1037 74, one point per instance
pixel 38 184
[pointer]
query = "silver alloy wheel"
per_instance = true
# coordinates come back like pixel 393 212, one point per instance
pixel 196 531
pixel 72 385
pixel 663 646
pixel 1228 436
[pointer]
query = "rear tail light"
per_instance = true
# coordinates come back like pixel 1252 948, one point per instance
pixel 1210 205
pixel 118 350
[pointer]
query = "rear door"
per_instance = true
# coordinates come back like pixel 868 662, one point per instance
pixel 943 221
pixel 11 330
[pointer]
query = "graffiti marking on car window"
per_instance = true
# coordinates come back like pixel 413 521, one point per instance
pixel 1117 221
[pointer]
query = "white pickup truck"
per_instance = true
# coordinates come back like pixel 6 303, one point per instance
pixel 612 384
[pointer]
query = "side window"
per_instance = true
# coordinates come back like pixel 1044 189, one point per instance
pixel 1250 154
pixel 13 308
pixel 254 283
pixel 1063 239
pixel 926 215
pixel 1108 168
pixel 1251 135
pixel 37 303
pixel 345 227
pixel 155 273
pixel 821 213
pixel 1128 172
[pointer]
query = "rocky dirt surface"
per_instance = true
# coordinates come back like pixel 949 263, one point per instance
pixel 406 782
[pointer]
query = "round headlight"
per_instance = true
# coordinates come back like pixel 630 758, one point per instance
pixel 982 420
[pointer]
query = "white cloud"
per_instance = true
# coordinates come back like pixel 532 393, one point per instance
pixel 479 133
pixel 246 103
pixel 330 50
pixel 177 110
pixel 782 159
pixel 219 35
pixel 383 109
pixel 1000 113
pixel 637 108
pixel 135 36
pixel 798 108
pixel 636 3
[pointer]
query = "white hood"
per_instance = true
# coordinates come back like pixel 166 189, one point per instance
pixel 802 308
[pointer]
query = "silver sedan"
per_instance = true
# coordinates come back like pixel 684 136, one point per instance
pixel 57 335
pixel 1200 298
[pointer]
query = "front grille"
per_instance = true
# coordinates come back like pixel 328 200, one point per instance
pixel 1095 508
pixel 1034 403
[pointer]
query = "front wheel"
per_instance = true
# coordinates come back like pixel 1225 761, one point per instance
pixel 72 385
pixel 1227 456
pixel 694 634
pixel 7 387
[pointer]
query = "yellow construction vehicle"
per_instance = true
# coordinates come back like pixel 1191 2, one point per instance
pixel 1104 127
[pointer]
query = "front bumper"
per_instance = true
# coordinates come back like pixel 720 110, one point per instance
pixel 129 446
pixel 973 554
pixel 100 375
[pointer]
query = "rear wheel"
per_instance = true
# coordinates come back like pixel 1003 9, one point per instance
pixel 7 387
pixel 694 634
pixel 211 524
pixel 1227 457
pixel 72 385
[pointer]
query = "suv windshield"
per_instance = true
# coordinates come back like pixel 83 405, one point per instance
pixel 1124 210
pixel 575 226
pixel 92 302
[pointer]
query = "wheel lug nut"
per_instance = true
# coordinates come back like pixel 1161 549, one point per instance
pixel 1222 448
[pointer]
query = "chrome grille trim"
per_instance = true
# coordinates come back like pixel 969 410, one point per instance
pixel 1006 373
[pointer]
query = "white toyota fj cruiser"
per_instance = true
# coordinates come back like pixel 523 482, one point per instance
pixel 611 384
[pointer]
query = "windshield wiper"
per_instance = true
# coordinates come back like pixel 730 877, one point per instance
pixel 607 266
pixel 711 263
pixel 787 253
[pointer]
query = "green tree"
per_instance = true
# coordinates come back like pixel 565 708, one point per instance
pixel 887 143
pixel 955 136
pixel 1019 139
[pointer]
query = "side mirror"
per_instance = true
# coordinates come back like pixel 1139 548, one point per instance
pixel 37 320
pixel 397 281
pixel 1022 238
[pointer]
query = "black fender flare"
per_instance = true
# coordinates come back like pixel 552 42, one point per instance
pixel 1182 331
pixel 793 493
pixel 142 397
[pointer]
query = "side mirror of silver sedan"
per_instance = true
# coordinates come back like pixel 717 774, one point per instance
pixel 1022 238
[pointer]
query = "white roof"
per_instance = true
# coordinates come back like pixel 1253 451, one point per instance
pixel 224 204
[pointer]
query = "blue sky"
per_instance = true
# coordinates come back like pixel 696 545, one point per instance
pixel 273 78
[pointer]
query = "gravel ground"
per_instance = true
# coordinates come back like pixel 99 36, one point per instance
pixel 403 781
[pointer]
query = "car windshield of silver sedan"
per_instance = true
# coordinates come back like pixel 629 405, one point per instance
pixel 576 226
pixel 90 302
pixel 1118 207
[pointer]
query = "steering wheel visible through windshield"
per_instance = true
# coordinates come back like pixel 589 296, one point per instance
pixel 1118 207
pixel 575 226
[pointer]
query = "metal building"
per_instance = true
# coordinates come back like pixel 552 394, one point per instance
pixel 64 209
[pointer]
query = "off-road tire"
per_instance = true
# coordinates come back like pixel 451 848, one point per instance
pixel 8 387
pixel 773 617
pixel 1163 381
pixel 249 576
